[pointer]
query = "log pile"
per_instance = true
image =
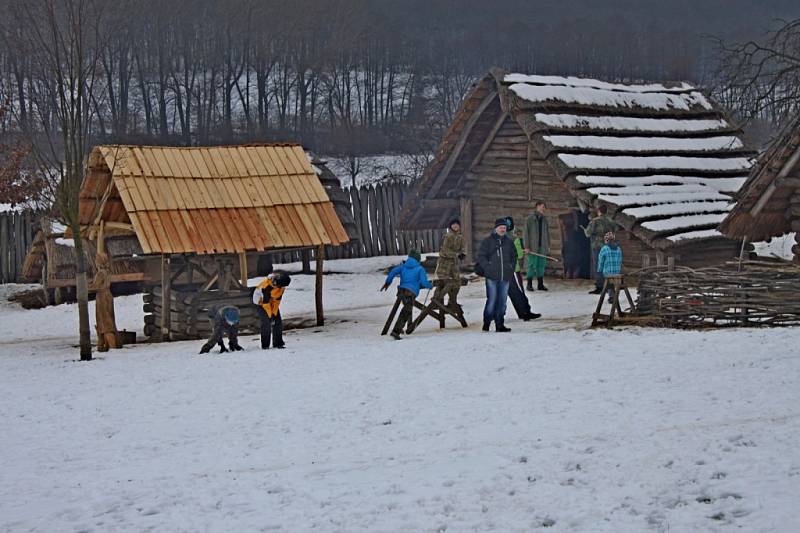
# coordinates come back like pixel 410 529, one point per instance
pixel 761 294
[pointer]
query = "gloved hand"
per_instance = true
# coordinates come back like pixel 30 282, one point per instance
pixel 222 349
pixel 385 287
pixel 205 349
pixel 462 256
pixel 236 347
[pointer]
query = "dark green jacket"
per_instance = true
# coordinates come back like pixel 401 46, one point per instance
pixel 597 229
pixel 532 234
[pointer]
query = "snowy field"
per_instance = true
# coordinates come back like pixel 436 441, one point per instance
pixel 551 427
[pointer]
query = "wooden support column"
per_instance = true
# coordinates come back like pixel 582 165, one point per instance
pixel 466 227
pixel 305 258
pixel 645 261
pixel 671 263
pixel 318 286
pixel 166 296
pixel 659 258
pixel 243 268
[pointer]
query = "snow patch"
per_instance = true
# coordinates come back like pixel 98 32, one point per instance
pixel 572 81
pixel 691 235
pixel 608 98
pixel 680 208
pixel 654 125
pixel 641 144
pixel 729 185
pixel 777 246
pixel 687 221
pixel 656 162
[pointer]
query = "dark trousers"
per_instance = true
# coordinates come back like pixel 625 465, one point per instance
pixel 598 276
pixel 518 299
pixel 271 327
pixel 407 307
pixel 496 301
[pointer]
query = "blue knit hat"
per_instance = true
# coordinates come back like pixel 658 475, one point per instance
pixel 231 315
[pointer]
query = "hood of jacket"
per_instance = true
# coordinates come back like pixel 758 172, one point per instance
pixel 410 263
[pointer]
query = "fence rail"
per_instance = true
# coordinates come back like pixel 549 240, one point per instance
pixel 16 234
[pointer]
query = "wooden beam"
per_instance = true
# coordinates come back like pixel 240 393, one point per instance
pixel 788 181
pixel 318 286
pixel 166 290
pixel 466 226
pixel 488 142
pixel 785 170
pixel 243 268
pixel 462 140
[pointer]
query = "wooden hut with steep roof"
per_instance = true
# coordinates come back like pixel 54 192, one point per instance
pixel 663 158
pixel 768 205
pixel 202 218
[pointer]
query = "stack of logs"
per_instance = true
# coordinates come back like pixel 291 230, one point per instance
pixel 761 294
pixel 189 308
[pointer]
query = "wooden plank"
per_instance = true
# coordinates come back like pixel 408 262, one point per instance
pixel 318 286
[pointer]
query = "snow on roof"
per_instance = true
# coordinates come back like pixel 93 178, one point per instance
pixel 686 221
pixel 680 208
pixel 698 234
pixel 726 185
pixel 572 81
pixel 607 98
pixel 623 200
pixel 558 120
pixel 644 144
pixel 657 162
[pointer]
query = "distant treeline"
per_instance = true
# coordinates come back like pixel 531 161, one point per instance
pixel 345 76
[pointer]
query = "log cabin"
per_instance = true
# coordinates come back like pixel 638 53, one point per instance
pixel 663 158
pixel 768 205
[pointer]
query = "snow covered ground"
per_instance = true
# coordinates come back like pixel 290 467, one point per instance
pixel 550 426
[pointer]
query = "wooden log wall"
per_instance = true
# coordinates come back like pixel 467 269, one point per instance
pixel 376 210
pixel 16 235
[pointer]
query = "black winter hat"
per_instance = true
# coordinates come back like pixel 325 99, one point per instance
pixel 454 221
pixel 282 280
pixel 501 222
pixel 414 254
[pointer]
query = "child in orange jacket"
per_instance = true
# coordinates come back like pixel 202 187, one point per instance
pixel 267 296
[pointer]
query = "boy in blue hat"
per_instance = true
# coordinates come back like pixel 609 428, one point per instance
pixel 224 320
pixel 412 278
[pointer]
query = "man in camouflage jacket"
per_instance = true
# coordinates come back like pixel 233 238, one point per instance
pixel 596 231
pixel 449 279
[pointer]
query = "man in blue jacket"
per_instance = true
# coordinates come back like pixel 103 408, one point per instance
pixel 497 258
pixel 412 278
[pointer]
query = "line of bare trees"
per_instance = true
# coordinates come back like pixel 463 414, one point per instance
pixel 347 75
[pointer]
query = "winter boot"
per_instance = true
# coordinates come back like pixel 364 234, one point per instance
pixel 500 328
pixel 531 316
pixel 486 326
pixel 396 336
pixel 541 286
pixel 529 286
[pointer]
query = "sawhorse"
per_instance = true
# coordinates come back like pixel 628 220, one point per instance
pixel 434 309
pixel 618 284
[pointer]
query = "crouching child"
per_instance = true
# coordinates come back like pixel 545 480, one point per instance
pixel 267 296
pixel 609 260
pixel 412 278
pixel 224 320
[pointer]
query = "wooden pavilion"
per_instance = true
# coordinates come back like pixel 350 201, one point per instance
pixel 663 158
pixel 768 205
pixel 202 218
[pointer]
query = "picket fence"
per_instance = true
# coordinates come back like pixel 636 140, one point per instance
pixel 16 234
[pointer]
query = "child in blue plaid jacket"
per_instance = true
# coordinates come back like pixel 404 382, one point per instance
pixel 609 261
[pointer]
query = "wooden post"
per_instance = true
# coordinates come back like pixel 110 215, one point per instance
pixel 305 257
pixel 166 289
pixel 466 226
pixel 671 263
pixel 659 258
pixel 645 261
pixel 318 287
pixel 243 268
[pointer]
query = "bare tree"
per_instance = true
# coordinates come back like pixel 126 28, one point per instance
pixel 62 41
pixel 761 79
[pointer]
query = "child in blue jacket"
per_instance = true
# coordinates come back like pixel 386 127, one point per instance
pixel 412 278
pixel 609 260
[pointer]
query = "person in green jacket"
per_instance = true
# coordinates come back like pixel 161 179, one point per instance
pixel 537 242
pixel 447 273
pixel 596 232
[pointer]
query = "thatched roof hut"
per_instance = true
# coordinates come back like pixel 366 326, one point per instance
pixel 768 205
pixel 663 158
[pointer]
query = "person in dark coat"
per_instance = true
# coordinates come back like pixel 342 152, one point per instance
pixel 515 292
pixel 497 258
pixel 224 320
pixel 596 231
pixel 412 278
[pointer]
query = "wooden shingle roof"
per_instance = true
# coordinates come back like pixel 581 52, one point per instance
pixel 210 200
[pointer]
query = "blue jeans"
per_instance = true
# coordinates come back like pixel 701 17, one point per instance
pixel 496 300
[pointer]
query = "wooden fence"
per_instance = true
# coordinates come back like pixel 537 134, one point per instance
pixel 376 210
pixel 16 234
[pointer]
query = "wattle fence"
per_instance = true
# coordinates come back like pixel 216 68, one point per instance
pixel 16 234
